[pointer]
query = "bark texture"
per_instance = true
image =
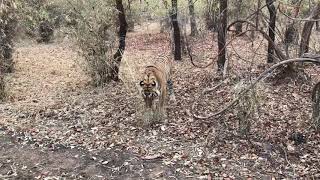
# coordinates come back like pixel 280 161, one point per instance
pixel 238 26
pixel 307 29
pixel 193 24
pixel 222 32
pixel 272 26
pixel 176 30
pixel 114 75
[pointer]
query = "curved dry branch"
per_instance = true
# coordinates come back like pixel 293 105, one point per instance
pixel 210 63
pixel 228 29
pixel 279 53
pixel 260 77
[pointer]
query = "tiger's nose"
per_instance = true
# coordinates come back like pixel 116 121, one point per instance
pixel 147 93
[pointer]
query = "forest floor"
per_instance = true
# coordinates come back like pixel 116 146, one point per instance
pixel 55 124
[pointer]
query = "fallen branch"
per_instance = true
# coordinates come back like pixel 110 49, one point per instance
pixel 244 91
pixel 208 90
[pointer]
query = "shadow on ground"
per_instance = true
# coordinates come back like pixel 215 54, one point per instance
pixel 23 161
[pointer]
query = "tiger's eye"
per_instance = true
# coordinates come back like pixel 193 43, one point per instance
pixel 153 83
pixel 141 83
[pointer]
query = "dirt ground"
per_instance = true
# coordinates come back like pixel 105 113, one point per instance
pixel 55 125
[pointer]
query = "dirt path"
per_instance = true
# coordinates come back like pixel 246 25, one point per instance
pixel 18 161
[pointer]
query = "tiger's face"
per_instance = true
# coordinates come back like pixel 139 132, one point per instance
pixel 149 86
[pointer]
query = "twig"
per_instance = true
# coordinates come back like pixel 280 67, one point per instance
pixel 209 64
pixel 208 90
pixel 287 160
pixel 308 19
pixel 279 53
pixel 7 176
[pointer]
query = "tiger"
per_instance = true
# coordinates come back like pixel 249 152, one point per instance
pixel 156 84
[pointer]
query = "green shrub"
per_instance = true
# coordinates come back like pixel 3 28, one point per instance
pixel 34 12
pixel 8 23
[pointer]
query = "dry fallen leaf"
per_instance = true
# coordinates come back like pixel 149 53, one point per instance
pixel 151 157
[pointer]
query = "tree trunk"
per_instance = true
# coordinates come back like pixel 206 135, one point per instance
pixel 176 30
pixel 2 83
pixel 130 17
pixel 117 57
pixel 46 31
pixel 257 19
pixel 291 33
pixel 183 21
pixel 290 36
pixel 193 24
pixel 306 31
pixel 211 16
pixel 222 32
pixel 165 23
pixel 238 26
pixel 316 105
pixel 272 25
pixel 296 9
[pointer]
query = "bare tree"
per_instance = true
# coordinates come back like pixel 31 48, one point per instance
pixel 165 23
pixel 307 28
pixel 291 32
pixel 316 105
pixel 2 83
pixel 290 35
pixel 211 15
pixel 257 18
pixel 222 32
pixel 193 24
pixel 130 16
pixel 238 26
pixel 114 75
pixel 272 26
pixel 176 30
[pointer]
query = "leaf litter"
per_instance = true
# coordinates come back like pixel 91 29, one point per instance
pixel 76 131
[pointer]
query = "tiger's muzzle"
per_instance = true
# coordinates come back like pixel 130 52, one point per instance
pixel 151 94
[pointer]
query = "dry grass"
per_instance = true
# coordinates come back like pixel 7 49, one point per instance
pixel 43 73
